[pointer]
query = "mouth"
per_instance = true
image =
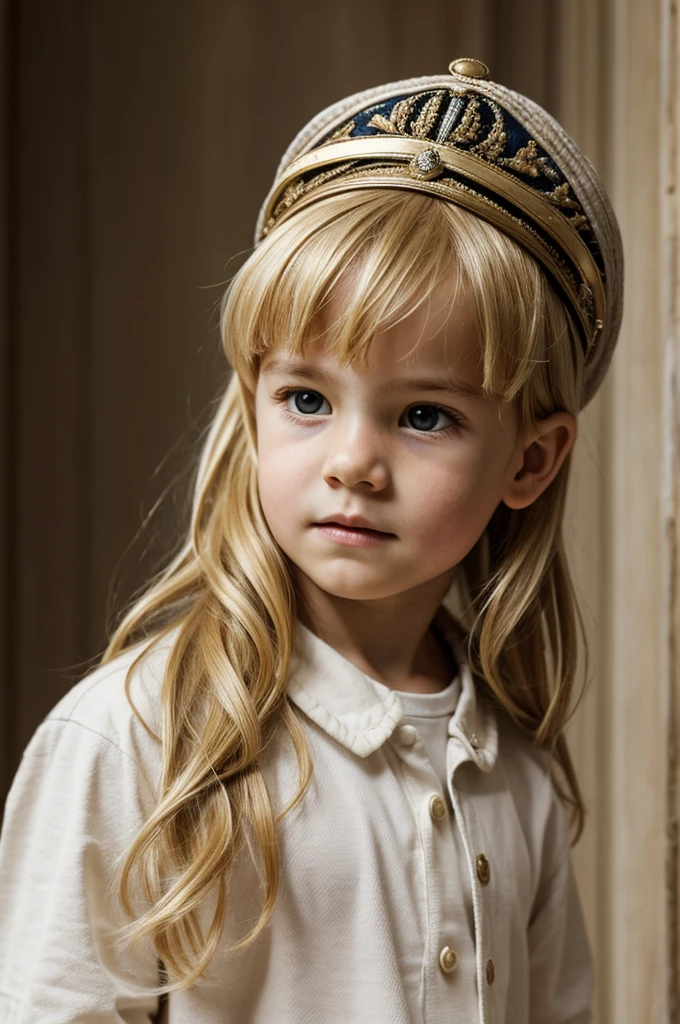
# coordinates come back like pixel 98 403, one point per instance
pixel 352 530
pixel 358 523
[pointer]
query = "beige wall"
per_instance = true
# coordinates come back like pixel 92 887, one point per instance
pixel 618 95
pixel 141 138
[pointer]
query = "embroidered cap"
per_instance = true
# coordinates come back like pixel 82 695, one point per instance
pixel 477 144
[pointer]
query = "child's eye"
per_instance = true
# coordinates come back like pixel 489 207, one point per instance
pixel 307 403
pixel 429 418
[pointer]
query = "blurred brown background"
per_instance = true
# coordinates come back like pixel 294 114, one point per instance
pixel 138 141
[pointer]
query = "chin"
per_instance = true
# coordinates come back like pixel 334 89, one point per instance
pixel 356 589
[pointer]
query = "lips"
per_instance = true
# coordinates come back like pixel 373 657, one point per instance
pixel 352 523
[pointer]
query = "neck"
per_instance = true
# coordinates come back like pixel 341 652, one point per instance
pixel 389 639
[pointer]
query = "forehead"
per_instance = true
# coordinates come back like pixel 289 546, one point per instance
pixel 441 335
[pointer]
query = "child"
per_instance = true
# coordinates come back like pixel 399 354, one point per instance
pixel 314 780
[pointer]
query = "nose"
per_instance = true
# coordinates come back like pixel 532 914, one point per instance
pixel 357 458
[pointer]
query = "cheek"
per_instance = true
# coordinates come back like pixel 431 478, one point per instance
pixel 284 476
pixel 276 485
pixel 271 480
pixel 452 503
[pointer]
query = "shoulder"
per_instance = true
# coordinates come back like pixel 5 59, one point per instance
pixel 118 704
pixel 520 756
pixel 95 761
pixel 527 770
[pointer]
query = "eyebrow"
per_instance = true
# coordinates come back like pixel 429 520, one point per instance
pixel 435 384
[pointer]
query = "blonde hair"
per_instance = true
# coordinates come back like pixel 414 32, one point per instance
pixel 227 595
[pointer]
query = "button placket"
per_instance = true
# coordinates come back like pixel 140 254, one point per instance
pixel 450 948
pixel 482 966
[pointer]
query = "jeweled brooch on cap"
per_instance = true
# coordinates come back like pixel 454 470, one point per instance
pixel 426 165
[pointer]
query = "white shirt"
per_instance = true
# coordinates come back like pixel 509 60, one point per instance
pixel 426 718
pixel 376 893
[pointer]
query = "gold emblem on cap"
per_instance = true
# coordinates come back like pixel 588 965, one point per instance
pixel 426 165
pixel 469 68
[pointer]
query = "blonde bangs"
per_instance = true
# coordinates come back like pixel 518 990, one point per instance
pixel 395 248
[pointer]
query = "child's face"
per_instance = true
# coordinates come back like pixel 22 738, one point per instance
pixel 389 445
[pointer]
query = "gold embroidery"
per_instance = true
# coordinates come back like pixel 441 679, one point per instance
pixel 300 188
pixel 579 221
pixel 386 170
pixel 561 196
pixel 341 133
pixel 587 301
pixel 420 128
pixel 293 192
pixel 527 161
pixel 468 129
pixel 378 121
pixel 493 145
pixel 401 112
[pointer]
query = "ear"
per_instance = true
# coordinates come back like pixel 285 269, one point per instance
pixel 541 453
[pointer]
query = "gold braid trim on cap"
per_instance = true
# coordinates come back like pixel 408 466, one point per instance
pixel 395 161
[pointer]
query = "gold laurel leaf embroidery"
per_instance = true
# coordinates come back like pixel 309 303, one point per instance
pixel 420 128
pixel 401 112
pixel 587 302
pixel 323 176
pixel 341 133
pixel 292 194
pixel 579 221
pixel 378 121
pixel 468 129
pixel 561 196
pixel 527 161
pixel 299 187
pixel 493 145
pixel 384 170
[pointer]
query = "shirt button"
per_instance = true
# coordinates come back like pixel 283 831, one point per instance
pixel 437 807
pixel 408 735
pixel 447 960
pixel 490 972
pixel 483 869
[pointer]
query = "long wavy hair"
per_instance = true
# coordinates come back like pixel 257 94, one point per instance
pixel 227 595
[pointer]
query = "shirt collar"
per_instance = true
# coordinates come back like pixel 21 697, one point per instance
pixel 346 703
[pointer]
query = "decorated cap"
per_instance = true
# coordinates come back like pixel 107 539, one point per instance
pixel 477 144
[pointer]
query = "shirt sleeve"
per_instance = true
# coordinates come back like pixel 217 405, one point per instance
pixel 73 809
pixel 561 968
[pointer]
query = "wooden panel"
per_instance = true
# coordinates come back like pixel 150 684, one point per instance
pixel 579 90
pixel 634 860
pixel 670 657
pixel 615 64
pixel 6 481
pixel 49 542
